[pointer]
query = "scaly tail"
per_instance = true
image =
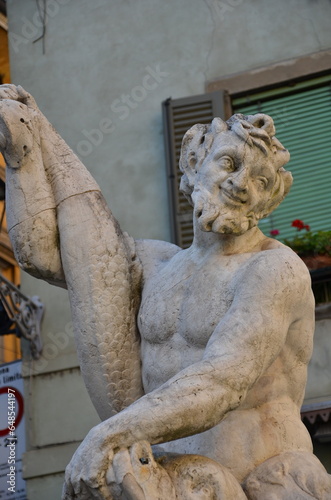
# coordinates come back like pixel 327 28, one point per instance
pixel 98 260
pixel 30 204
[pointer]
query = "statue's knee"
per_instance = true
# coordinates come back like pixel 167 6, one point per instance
pixel 199 477
pixel 291 475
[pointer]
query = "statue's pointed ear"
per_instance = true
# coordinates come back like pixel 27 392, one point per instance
pixel 196 141
pixel 193 141
pixel 218 126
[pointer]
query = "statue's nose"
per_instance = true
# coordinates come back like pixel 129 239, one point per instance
pixel 239 181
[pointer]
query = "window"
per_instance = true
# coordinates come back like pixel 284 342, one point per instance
pixel 302 116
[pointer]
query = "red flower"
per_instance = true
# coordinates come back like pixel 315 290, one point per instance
pixel 298 224
pixel 307 227
pixel 274 232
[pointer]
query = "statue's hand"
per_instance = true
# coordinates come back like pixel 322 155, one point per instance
pixel 17 93
pixel 85 476
pixel 104 469
pixel 97 471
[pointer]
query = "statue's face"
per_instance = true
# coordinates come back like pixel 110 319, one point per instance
pixel 232 186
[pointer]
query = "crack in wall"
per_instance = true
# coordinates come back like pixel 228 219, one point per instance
pixel 209 6
pixel 314 30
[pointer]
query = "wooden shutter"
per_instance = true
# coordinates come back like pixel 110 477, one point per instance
pixel 178 116
pixel 302 116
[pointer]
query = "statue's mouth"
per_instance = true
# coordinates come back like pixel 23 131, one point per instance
pixel 237 200
pixel 226 221
pixel 227 215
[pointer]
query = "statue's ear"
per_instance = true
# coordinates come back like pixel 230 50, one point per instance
pixel 218 126
pixel 282 187
pixel 192 142
pixel 189 157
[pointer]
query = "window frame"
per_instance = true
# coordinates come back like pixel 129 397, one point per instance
pixel 275 75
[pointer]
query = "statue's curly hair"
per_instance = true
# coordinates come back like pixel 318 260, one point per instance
pixel 255 130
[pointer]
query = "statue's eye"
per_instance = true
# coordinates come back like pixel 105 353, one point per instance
pixel 262 182
pixel 227 163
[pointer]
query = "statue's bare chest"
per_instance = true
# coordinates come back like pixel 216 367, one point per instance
pixel 185 302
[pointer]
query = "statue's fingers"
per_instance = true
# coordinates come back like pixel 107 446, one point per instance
pixel 67 492
pixel 131 488
pixel 8 86
pixel 9 92
pixel 17 93
pixel 22 92
pixel 142 460
pixel 121 465
pixel 142 448
pixel 125 476
pixel 26 97
pixel 83 491
pixel 100 493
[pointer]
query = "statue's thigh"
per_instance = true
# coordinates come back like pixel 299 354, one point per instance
pixel 292 475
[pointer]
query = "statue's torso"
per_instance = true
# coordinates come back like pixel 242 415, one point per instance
pixel 183 300
pixel 182 303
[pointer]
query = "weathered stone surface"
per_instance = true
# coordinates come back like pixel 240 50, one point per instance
pixel 223 330
pixel 290 476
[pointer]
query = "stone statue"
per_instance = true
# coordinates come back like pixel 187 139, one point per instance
pixel 203 351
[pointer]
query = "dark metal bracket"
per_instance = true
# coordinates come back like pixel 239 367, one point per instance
pixel 26 313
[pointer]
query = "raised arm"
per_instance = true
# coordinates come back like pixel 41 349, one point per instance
pixel 243 346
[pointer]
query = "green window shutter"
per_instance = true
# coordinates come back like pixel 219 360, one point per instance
pixel 178 116
pixel 302 116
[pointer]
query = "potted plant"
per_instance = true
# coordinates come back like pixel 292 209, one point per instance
pixel 314 248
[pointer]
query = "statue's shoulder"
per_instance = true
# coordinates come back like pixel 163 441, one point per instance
pixel 151 253
pixel 276 277
pixel 276 261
